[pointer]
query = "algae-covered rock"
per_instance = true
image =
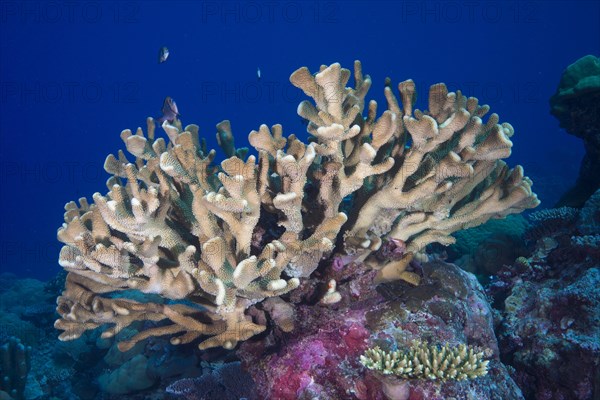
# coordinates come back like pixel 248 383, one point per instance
pixel 576 105
pixel 131 377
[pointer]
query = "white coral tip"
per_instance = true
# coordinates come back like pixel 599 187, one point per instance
pixel 278 284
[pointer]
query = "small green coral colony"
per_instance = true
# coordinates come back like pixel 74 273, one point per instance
pixel 425 361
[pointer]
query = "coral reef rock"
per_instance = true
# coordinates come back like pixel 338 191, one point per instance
pixel 549 307
pixel 576 105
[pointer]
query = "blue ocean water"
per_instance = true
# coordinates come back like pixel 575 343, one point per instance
pixel 74 74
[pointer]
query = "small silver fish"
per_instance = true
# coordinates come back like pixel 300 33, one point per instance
pixel 163 54
pixel 169 111
pixel 258 73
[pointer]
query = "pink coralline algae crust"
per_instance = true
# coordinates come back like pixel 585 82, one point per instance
pixel 320 358
pixel 310 363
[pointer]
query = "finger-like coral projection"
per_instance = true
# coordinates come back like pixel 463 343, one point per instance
pixel 423 361
pixel 211 240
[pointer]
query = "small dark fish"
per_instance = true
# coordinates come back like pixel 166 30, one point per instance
pixel 163 54
pixel 169 111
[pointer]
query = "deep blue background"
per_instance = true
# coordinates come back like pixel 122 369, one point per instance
pixel 74 74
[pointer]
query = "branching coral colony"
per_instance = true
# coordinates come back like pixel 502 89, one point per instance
pixel 426 361
pixel 213 240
